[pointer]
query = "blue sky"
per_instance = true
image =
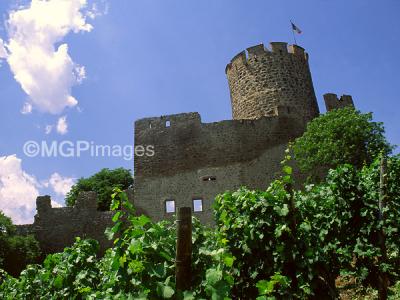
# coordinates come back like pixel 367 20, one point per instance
pixel 156 57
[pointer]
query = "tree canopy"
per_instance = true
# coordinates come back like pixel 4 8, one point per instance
pixel 338 137
pixel 15 251
pixel 103 184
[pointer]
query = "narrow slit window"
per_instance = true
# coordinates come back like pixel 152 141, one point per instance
pixel 197 205
pixel 167 123
pixel 209 178
pixel 169 206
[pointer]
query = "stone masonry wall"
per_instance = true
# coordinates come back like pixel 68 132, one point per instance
pixel 261 80
pixel 187 144
pixel 188 153
pixel 57 228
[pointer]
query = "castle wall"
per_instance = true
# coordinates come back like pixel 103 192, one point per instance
pixel 189 185
pixel 188 152
pixel 187 144
pixel 261 80
pixel 56 228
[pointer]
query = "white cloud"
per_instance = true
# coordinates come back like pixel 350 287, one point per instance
pixel 61 185
pixel 98 9
pixel 26 109
pixel 45 71
pixel 62 125
pixel 18 191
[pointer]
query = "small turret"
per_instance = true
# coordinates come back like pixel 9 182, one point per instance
pixel 43 204
pixel 333 102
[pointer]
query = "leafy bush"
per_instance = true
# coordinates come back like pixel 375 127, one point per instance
pixel 395 292
pixel 336 231
pixel 102 183
pixel 345 212
pixel 260 235
pixel 340 136
pixel 66 275
pixel 139 266
pixel 142 262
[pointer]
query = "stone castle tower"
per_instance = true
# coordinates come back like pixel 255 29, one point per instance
pixel 263 81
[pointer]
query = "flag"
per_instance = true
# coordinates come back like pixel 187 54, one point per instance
pixel 295 28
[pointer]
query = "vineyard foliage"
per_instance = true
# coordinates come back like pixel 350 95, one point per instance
pixel 272 244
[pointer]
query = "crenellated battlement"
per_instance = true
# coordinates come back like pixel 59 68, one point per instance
pixel 257 51
pixel 333 102
pixel 261 80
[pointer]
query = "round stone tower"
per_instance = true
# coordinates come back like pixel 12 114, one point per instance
pixel 272 82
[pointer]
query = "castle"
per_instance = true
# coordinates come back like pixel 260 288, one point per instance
pixel 273 99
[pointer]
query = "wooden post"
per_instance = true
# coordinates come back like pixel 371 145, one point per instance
pixel 383 279
pixel 183 260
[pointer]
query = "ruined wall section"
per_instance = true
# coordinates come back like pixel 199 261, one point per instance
pixel 262 80
pixel 182 143
pixel 57 228
pixel 333 102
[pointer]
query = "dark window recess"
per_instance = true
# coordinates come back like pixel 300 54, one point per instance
pixel 197 205
pixel 209 178
pixel 169 206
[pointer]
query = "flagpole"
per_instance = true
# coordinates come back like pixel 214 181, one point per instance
pixel 294 36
